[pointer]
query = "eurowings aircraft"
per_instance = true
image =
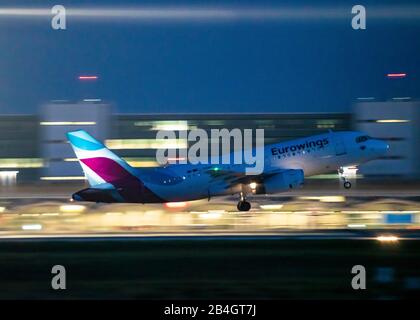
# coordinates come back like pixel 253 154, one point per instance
pixel 112 179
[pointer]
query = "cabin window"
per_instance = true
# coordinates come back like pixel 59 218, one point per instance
pixel 362 139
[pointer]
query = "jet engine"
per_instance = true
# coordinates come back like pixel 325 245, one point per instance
pixel 280 182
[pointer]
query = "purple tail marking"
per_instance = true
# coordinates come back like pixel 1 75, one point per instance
pixel 131 188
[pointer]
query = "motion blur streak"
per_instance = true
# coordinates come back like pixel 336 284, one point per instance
pixel 205 14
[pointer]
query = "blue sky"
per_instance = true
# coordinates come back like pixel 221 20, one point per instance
pixel 298 64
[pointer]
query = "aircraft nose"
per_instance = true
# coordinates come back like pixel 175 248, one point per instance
pixel 381 147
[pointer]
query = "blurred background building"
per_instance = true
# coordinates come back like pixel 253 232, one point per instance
pixel 55 120
pixel 33 148
pixel 398 123
pixel 20 151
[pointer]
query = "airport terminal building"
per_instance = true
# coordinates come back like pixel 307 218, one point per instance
pixel 33 148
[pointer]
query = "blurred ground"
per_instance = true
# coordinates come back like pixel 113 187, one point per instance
pixel 300 244
pixel 47 210
pixel 166 268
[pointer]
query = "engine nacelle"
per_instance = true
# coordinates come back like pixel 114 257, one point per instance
pixel 94 195
pixel 281 182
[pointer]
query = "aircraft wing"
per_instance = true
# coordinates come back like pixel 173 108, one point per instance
pixel 234 177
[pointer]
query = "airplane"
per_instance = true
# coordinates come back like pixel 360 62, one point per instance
pixel 286 164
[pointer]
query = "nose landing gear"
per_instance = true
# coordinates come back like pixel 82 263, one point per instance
pixel 243 205
pixel 346 184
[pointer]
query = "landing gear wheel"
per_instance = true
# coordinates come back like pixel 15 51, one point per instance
pixel 347 184
pixel 243 206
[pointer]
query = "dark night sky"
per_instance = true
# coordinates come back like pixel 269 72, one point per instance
pixel 298 65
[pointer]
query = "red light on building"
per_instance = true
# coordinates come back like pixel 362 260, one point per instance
pixel 88 77
pixel 396 75
pixel 175 204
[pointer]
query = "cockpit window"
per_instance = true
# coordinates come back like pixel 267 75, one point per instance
pixel 362 139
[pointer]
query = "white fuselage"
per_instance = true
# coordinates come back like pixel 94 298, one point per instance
pixel 314 155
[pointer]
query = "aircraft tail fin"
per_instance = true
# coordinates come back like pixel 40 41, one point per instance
pixel 99 164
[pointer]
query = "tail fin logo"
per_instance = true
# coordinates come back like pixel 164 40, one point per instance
pixel 99 164
pixel 83 141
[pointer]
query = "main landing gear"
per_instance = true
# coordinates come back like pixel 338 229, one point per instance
pixel 243 205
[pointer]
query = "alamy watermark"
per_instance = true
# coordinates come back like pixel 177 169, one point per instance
pixel 58 21
pixel 206 150
pixel 358 22
pixel 358 282
pixel 58 282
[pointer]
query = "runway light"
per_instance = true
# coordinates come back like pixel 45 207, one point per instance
pixel 326 198
pixel 72 208
pixel 212 214
pixel 271 206
pixel 114 213
pixel 332 199
pixel 175 204
pixel 354 225
pixel 387 238
pixel 217 211
pixel 31 227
